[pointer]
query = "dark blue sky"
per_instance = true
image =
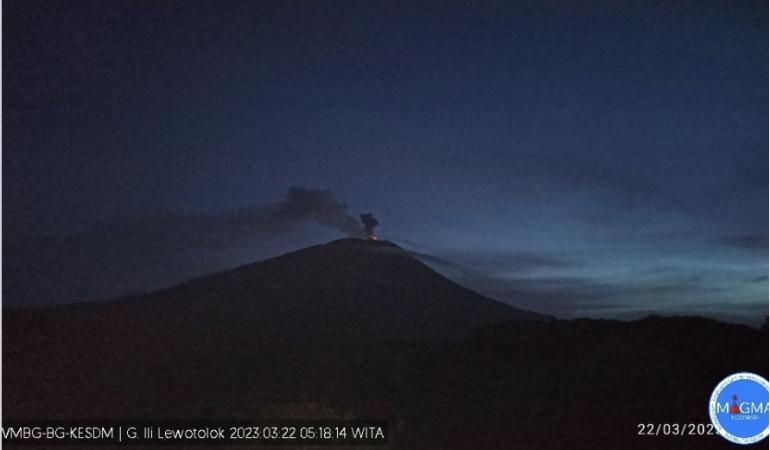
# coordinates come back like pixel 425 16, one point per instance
pixel 605 159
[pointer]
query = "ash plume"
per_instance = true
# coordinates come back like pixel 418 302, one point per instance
pixel 153 251
pixel 369 222
pixel 299 207
pixel 302 205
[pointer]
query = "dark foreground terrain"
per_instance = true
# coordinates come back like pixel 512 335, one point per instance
pixel 508 379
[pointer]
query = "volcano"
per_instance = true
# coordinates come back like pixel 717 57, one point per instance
pixel 349 288
pixel 344 293
pixel 359 328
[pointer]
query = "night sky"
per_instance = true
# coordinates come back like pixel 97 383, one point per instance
pixel 605 159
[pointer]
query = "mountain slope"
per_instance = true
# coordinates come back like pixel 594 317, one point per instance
pixel 350 288
pixel 357 288
pixel 285 338
pixel 251 326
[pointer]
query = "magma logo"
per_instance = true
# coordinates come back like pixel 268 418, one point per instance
pixel 739 408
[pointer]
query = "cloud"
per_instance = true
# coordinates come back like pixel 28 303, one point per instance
pixel 582 172
pixel 760 279
pixel 578 296
pixel 477 262
pixel 747 242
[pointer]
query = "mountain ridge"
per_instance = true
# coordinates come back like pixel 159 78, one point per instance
pixel 347 288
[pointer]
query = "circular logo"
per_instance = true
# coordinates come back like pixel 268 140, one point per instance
pixel 739 408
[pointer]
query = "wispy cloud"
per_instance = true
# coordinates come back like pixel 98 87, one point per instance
pixel 747 242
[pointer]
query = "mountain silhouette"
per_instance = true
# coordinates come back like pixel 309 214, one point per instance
pixel 361 329
pixel 349 288
pixel 341 294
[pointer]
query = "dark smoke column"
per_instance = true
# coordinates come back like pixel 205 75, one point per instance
pixel 369 223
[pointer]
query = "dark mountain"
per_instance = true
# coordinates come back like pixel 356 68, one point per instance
pixel 345 293
pixel 360 329
pixel 348 289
